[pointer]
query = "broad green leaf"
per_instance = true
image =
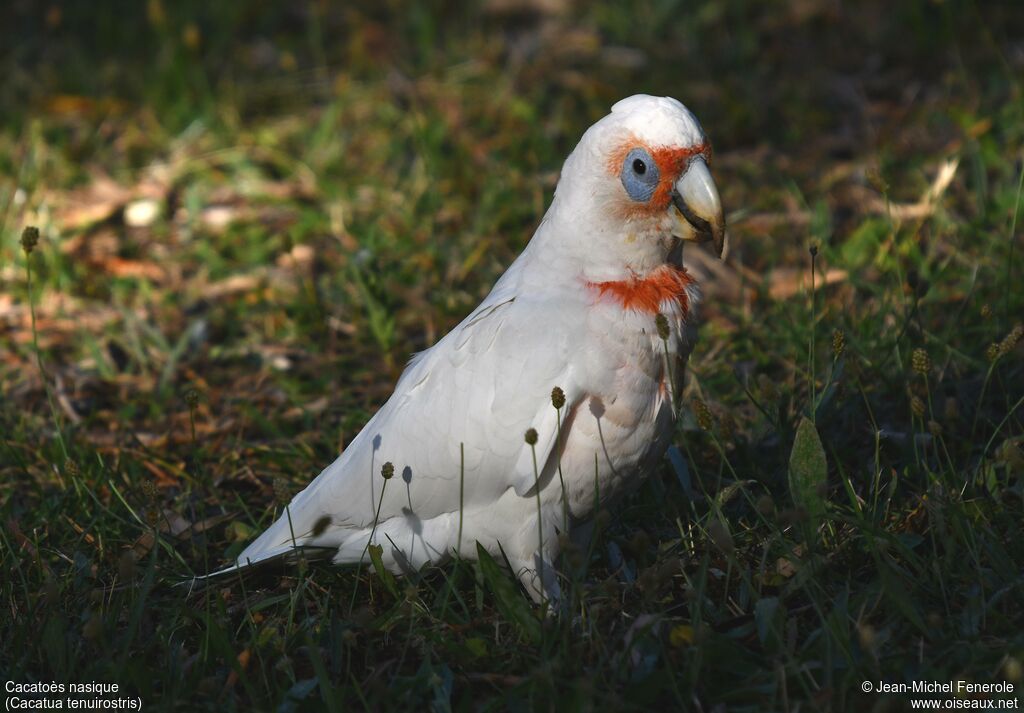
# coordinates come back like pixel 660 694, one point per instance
pixel 682 470
pixel 808 472
pixel 899 593
pixel 511 603
pixel 864 244
pixel 269 602
pixel 476 646
pixel 766 616
pixel 327 692
pixel 376 553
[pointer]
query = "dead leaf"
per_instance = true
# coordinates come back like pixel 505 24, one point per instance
pixel 314 407
pixel 94 203
pixel 300 256
pixel 163 478
pixel 233 285
pixel 120 267
pixel 143 544
pixel 74 105
pixel 81 531
pixel 243 663
pixel 788 281
pixel 928 202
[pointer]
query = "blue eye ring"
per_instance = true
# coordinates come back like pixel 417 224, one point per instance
pixel 639 175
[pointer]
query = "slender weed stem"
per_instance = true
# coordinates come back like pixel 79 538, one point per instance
pixel 661 322
pixel 814 326
pixel 558 401
pixel 462 493
pixel 387 471
pixel 1007 291
pixel 531 440
pixel 29 239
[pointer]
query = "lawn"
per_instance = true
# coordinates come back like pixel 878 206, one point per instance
pixel 224 227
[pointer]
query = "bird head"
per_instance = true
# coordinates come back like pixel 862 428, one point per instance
pixel 636 186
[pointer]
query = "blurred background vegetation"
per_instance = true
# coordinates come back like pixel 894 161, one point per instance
pixel 251 213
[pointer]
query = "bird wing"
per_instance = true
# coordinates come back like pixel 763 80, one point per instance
pixel 457 418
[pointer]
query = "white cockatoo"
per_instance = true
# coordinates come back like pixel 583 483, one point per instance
pixel 578 310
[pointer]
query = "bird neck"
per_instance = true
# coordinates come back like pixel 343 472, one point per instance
pixel 665 286
pixel 598 250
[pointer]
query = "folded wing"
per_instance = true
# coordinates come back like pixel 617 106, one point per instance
pixel 458 415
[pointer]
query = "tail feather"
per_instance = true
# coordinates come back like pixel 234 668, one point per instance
pixel 285 554
pixel 300 535
pixel 276 545
pixel 279 538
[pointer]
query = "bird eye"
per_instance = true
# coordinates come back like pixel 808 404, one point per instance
pixel 639 175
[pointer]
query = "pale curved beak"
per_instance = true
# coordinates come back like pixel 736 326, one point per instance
pixel 696 207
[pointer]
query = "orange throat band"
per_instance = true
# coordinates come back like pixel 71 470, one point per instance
pixel 647 293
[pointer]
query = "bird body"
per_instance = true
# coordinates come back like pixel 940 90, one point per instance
pixel 578 310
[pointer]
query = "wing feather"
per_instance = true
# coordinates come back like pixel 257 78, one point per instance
pixel 482 386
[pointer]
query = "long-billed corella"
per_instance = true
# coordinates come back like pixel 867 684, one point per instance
pixel 555 392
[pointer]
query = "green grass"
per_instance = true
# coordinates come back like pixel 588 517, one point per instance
pixel 337 188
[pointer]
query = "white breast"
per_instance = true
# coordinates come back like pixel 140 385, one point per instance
pixel 627 418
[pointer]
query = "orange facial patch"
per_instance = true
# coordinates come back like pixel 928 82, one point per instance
pixel 671 162
pixel 648 293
